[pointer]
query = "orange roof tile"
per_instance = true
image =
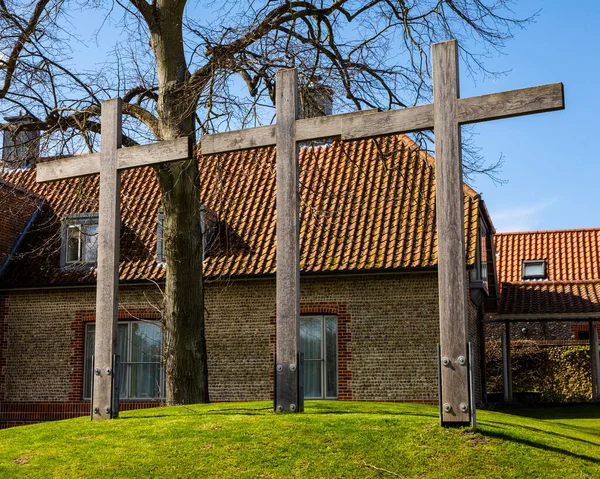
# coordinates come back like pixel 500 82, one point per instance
pixel 360 211
pixel 572 260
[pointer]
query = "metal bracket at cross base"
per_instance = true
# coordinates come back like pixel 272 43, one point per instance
pixel 289 385
pixel 112 376
pixel 454 410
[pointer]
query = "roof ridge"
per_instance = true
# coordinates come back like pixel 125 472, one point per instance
pixel 550 283
pixel 571 230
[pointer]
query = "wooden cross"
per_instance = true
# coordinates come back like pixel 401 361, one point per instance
pixel 109 163
pixel 445 116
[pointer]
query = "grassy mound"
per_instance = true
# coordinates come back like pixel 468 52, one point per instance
pixel 331 439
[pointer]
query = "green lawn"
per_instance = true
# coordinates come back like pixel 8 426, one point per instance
pixel 331 439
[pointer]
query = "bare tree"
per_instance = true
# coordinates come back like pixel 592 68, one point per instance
pixel 188 68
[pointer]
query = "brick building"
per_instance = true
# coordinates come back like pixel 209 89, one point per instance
pixel 369 300
pixel 549 294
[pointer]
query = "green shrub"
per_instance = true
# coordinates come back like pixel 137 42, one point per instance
pixel 559 373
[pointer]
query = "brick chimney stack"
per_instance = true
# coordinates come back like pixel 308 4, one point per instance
pixel 316 100
pixel 20 150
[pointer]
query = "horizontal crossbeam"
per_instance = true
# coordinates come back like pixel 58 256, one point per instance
pixel 134 156
pixel 356 125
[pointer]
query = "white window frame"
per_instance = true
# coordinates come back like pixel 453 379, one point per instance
pixel 532 262
pixel 126 361
pixel 324 356
pixel 79 222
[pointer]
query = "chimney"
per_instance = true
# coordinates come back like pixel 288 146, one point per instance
pixel 316 100
pixel 20 150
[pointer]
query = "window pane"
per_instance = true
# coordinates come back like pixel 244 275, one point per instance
pixel 310 338
pixel 90 243
pixel 331 357
pixel 122 345
pixel 311 346
pixel 312 379
pixel 137 342
pixel 73 244
pixel 146 342
pixel 145 380
pixel 533 269
pixel 90 330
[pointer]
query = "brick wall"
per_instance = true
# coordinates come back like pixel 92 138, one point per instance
pixel 388 334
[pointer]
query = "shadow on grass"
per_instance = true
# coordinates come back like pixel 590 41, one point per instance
pixel 502 425
pixel 582 411
pixel 264 412
pixel 544 447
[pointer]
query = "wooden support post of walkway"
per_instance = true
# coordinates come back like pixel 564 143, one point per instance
pixel 595 358
pixel 506 364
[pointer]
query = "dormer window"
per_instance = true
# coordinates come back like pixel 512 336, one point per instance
pixel 80 239
pixel 209 224
pixel 218 239
pixel 534 269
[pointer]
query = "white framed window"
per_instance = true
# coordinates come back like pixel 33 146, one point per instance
pixel 209 226
pixel 80 239
pixel 140 348
pixel 534 269
pixel 319 343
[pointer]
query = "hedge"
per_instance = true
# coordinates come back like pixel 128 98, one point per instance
pixel 558 373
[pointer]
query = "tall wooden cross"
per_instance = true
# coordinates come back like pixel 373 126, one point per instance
pixel 111 160
pixel 447 113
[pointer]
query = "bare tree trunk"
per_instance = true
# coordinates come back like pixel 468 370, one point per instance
pixel 185 344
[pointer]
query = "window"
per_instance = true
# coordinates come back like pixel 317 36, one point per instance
pixel 318 342
pixel 583 335
pixel 534 269
pixel 479 271
pixel 80 239
pixel 142 373
pixel 209 225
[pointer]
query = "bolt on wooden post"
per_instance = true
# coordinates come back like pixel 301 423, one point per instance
pixel 109 163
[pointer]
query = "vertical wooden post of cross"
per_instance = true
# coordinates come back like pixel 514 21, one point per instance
pixel 109 220
pixel 288 369
pixel 452 274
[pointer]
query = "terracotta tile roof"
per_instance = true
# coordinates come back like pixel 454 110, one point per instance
pixel 17 206
pixel 539 298
pixel 572 260
pixel 364 207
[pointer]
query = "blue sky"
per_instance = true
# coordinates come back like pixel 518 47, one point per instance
pixel 551 165
pixel 551 162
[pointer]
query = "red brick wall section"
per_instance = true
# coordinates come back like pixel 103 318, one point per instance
pixel 388 332
pixel 23 413
pixel 344 338
pixel 77 360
